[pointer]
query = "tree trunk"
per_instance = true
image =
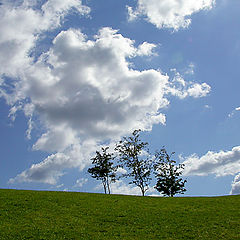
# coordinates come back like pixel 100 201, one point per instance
pixel 104 186
pixel 143 192
pixel 171 192
pixel 109 192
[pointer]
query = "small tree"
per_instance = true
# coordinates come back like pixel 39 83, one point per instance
pixel 103 168
pixel 131 155
pixel 168 174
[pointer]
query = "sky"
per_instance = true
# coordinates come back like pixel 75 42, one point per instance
pixel 79 75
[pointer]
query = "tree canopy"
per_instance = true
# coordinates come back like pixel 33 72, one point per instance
pixel 134 155
pixel 104 168
pixel 168 174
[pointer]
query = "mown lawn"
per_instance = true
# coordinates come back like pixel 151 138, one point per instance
pixel 69 215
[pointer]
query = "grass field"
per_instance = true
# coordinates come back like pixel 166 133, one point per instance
pixel 69 215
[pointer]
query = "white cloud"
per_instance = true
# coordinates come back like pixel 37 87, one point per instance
pixel 80 182
pixel 121 187
pixel 132 15
pixel 59 8
pixel 55 139
pixel 198 90
pixel 103 96
pixel 82 91
pixel 219 163
pixel 48 171
pixel 236 185
pixel 169 13
pixel 152 192
pixel 121 171
pixel 230 115
pixel 21 26
pixel 29 129
pixel 182 89
pixel 146 49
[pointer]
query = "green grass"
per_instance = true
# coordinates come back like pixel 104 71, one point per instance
pixel 69 215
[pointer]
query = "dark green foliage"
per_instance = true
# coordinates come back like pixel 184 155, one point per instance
pixel 68 215
pixel 131 152
pixel 168 174
pixel 103 168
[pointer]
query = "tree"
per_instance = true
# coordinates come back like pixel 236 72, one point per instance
pixel 103 169
pixel 168 174
pixel 131 152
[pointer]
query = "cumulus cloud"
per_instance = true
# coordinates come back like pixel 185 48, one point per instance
pixel 47 171
pixel 121 187
pixel 55 139
pixel 50 169
pixel 199 90
pixel 82 91
pixel 173 14
pixel 219 163
pixel 95 92
pixel 182 89
pixel 146 49
pixel 236 185
pixel 21 26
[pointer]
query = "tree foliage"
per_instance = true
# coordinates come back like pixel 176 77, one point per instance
pixel 133 155
pixel 104 168
pixel 131 151
pixel 168 174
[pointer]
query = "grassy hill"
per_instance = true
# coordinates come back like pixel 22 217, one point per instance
pixel 69 215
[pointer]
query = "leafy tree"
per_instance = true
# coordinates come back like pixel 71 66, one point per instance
pixel 103 168
pixel 168 174
pixel 131 152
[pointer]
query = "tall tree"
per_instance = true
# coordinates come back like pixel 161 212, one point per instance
pixel 168 174
pixel 104 168
pixel 133 155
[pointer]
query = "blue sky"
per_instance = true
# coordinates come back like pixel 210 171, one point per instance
pixel 75 75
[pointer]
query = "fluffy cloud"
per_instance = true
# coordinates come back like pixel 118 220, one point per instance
pixel 146 49
pixel 218 163
pixel 21 26
pixel 83 91
pixel 182 89
pixel 121 187
pixel 47 171
pixel 50 169
pixel 55 139
pixel 169 13
pixel 236 185
pixel 90 89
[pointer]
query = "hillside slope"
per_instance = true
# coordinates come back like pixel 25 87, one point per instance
pixel 71 215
